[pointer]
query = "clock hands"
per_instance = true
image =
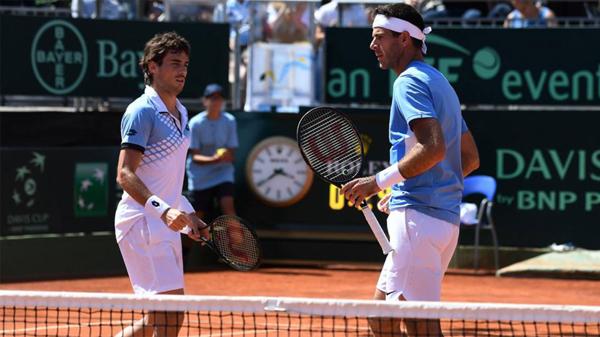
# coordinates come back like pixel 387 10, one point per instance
pixel 285 174
pixel 262 182
pixel 276 172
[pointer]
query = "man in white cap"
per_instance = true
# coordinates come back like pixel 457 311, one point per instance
pixel 431 151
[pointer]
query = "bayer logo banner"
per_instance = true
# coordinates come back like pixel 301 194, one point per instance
pixel 67 57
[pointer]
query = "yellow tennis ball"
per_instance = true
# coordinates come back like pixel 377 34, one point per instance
pixel 221 151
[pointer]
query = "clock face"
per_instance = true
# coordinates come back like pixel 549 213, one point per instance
pixel 276 172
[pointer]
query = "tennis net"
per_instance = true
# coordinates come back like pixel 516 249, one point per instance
pixel 29 313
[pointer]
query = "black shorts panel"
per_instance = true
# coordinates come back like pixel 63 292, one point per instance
pixel 204 199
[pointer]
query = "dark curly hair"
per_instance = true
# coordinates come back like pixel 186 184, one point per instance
pixel 406 13
pixel 157 48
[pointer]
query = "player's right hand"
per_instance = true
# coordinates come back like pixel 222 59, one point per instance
pixel 359 189
pixel 198 229
pixel 176 219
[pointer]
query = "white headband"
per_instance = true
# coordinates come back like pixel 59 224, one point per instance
pixel 399 26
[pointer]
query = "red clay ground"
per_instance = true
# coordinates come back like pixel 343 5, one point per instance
pixel 347 283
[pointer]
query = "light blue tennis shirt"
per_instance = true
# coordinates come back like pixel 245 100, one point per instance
pixel 148 127
pixel 421 91
pixel 208 136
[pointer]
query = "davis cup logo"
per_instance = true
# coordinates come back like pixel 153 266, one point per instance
pixel 59 57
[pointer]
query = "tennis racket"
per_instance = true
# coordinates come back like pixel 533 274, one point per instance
pixel 333 149
pixel 234 242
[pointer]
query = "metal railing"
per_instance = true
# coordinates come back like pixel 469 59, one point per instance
pixel 51 11
pixel 561 22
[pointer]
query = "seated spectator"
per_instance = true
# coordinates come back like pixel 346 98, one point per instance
pixel 237 14
pixel 497 14
pixel 429 9
pixel 352 15
pixel 288 22
pixel 109 9
pixel 530 13
pixel 500 11
pixel 592 10
pixel 155 10
pixel 328 15
pixel 191 12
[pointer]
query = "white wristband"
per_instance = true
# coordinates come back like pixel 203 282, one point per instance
pixel 389 177
pixel 155 206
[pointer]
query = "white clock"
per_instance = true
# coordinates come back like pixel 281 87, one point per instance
pixel 277 173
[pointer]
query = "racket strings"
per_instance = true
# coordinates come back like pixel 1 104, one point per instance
pixel 346 165
pixel 323 125
pixel 236 242
pixel 340 169
pixel 332 146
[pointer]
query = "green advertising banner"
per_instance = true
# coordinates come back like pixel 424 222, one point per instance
pixel 26 204
pixel 546 163
pixel 90 189
pixel 57 190
pixel 99 58
pixel 485 66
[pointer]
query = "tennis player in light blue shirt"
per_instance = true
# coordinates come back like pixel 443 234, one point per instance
pixel 431 151
pixel 421 91
pixel 152 211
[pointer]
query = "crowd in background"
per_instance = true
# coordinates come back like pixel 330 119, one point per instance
pixel 288 22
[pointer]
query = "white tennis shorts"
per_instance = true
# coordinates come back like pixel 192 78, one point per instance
pixel 423 246
pixel 154 266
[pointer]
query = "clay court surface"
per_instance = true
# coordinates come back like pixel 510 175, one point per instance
pixel 346 282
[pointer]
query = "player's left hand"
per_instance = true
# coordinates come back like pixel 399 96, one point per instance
pixel 384 204
pixel 198 229
pixel 360 189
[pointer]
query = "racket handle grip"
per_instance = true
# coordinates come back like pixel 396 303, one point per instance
pixel 376 228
